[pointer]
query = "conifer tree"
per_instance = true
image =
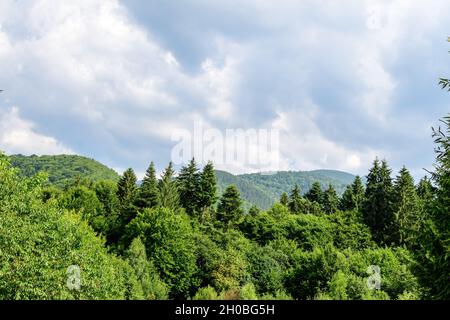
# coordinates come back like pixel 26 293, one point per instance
pixel 284 199
pixel 437 267
pixel 148 192
pixel 208 187
pixel 353 196
pixel 427 193
pixel 330 200
pixel 378 211
pixel 295 201
pixel 408 211
pixel 229 210
pixel 168 193
pixel 188 183
pixel 126 193
pixel 315 194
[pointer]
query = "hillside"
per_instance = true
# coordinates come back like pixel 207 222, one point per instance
pixel 256 189
pixel 63 168
pixel 250 192
pixel 263 190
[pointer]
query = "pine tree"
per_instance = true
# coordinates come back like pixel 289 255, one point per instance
pixel 126 187
pixel 437 267
pixel 378 211
pixel 353 196
pixel 347 201
pixel 427 193
pixel 208 187
pixel 330 200
pixel 295 201
pixel 315 194
pixel 188 183
pixel 229 210
pixel 126 193
pixel 284 199
pixel 408 211
pixel 148 192
pixel 168 193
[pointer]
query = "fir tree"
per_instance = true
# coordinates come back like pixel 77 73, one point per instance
pixel 330 200
pixel 126 193
pixel 315 194
pixel 229 210
pixel 284 199
pixel 353 196
pixel 148 192
pixel 188 183
pixel 208 187
pixel 295 201
pixel 378 210
pixel 408 211
pixel 168 193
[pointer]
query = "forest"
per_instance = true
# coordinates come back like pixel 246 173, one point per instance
pixel 176 237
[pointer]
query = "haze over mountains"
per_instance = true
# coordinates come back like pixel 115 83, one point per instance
pixel 257 189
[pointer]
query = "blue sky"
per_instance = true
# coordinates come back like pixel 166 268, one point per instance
pixel 343 81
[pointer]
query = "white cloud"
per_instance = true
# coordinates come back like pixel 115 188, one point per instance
pixel 17 135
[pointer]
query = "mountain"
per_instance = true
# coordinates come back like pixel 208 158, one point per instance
pixel 257 189
pixel 250 192
pixel 63 168
pixel 264 189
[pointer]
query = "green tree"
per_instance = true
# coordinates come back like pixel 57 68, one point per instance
pixel 229 210
pixel 168 239
pixel 353 196
pixel 407 208
pixel 127 194
pixel 315 194
pixel 189 188
pixel 106 191
pixel 152 287
pixel 168 189
pixel 330 200
pixel 435 259
pixel 378 210
pixel 208 187
pixel 295 201
pixel 148 192
pixel 284 199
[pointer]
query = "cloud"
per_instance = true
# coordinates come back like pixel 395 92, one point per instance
pixel 17 135
pixel 343 83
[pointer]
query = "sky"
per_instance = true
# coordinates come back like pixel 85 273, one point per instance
pixel 343 81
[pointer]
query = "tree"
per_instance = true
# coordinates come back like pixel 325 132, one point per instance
pixel 152 287
pixel 106 192
pixel 168 189
pixel 229 210
pixel 378 211
pixel 284 199
pixel 435 259
pixel 168 239
pixel 208 188
pixel 126 187
pixel 330 200
pixel 295 201
pixel 353 196
pixel 407 208
pixel 315 193
pixel 41 241
pixel 127 193
pixel 427 194
pixel 188 182
pixel 148 192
